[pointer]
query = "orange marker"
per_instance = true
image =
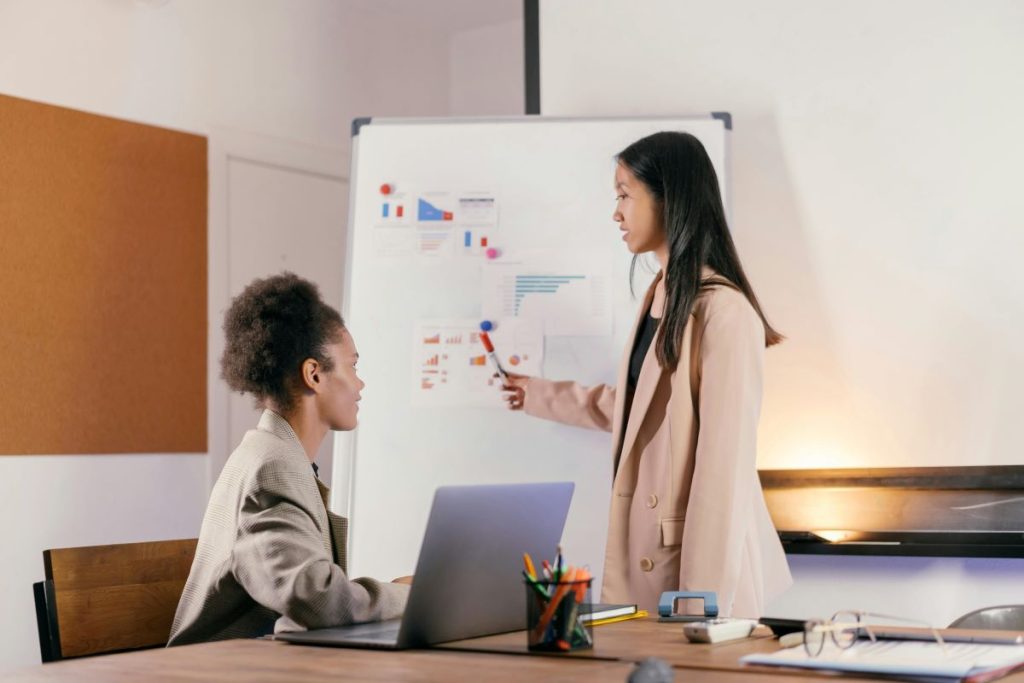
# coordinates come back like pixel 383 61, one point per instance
pixel 529 566
pixel 485 327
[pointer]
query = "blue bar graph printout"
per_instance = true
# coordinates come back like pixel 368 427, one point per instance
pixel 527 285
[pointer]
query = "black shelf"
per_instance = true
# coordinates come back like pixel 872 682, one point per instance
pixel 921 512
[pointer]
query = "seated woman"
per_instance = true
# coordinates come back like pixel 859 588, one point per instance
pixel 271 557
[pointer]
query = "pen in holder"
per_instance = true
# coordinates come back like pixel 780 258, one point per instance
pixel 553 611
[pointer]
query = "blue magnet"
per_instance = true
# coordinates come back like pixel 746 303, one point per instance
pixel 486 326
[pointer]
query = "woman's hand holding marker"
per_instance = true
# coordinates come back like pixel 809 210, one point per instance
pixel 515 390
pixel 513 384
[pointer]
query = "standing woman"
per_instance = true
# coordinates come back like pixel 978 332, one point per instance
pixel 687 511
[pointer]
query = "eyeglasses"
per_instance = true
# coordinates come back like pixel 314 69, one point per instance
pixel 846 626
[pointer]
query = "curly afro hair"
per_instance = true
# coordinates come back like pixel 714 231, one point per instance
pixel 272 327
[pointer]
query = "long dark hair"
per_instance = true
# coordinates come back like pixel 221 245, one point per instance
pixel 676 169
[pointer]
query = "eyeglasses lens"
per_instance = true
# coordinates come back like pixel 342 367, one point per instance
pixel 847 627
pixel 814 637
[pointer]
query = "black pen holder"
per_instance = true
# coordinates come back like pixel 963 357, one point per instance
pixel 553 615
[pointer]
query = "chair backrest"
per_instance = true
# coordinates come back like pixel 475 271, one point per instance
pixel 112 597
pixel 1003 617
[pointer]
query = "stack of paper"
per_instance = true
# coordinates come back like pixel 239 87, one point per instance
pixel 976 661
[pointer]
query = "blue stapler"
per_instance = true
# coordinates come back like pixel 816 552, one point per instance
pixel 669 599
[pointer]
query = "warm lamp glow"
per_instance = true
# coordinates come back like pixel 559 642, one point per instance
pixel 801 454
pixel 834 535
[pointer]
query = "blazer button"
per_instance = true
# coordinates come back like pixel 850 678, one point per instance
pixel 646 564
pixel 652 501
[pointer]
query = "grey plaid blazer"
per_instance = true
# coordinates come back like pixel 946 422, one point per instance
pixel 271 557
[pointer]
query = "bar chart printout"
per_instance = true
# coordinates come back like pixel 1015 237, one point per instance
pixel 571 297
pixel 450 366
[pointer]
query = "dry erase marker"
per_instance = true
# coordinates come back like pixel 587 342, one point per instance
pixel 486 326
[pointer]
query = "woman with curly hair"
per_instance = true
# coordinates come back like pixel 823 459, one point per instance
pixel 271 556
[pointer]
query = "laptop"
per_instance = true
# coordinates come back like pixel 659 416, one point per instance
pixel 468 579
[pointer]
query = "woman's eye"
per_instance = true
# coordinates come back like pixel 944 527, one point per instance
pixel 619 197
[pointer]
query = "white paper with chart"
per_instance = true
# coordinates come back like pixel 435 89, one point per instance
pixel 452 368
pixel 570 292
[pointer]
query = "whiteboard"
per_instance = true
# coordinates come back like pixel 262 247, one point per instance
pixel 551 181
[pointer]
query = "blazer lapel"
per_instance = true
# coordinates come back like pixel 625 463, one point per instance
pixel 325 493
pixel 337 531
pixel 618 428
pixel 651 375
pixel 647 382
pixel 339 537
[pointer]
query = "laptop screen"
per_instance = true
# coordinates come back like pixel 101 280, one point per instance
pixel 468 579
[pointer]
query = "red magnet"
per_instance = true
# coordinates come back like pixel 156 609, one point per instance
pixel 385 188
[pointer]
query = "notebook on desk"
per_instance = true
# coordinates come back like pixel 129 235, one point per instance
pixel 955 661
pixel 601 611
pixel 468 579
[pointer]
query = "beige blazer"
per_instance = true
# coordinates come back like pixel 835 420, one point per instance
pixel 271 557
pixel 687 510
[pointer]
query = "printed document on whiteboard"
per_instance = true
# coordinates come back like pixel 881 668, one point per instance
pixel 570 293
pixel 452 368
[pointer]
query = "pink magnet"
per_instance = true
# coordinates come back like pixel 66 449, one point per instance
pixel 492 253
pixel 385 188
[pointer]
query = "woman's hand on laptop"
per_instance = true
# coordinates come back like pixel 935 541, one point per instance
pixel 403 579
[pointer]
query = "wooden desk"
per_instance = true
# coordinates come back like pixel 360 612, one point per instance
pixel 634 640
pixel 265 660
pixel 498 658
pixel 637 639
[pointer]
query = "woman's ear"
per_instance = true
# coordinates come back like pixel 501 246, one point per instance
pixel 311 371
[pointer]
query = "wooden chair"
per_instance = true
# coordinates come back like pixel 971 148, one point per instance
pixel 111 597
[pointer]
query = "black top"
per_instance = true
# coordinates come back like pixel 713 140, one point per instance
pixel 644 337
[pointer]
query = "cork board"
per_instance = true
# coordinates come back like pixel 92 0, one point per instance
pixel 102 284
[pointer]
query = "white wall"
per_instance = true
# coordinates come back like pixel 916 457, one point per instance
pixel 290 69
pixel 276 67
pixel 874 169
pixel 487 71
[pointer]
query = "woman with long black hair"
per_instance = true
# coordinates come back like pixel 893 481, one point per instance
pixel 687 510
